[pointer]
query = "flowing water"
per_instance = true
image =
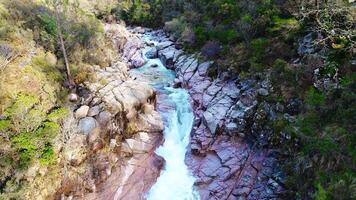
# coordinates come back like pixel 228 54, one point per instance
pixel 175 181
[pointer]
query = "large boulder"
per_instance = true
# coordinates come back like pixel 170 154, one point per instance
pixel 152 53
pixel 87 124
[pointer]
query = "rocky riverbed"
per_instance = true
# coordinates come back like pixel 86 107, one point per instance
pixel 226 153
pixel 229 125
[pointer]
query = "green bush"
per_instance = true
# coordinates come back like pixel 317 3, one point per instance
pixel 314 97
pixel 176 26
pixel 48 23
pixel 258 47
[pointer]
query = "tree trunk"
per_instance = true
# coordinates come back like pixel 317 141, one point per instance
pixel 64 52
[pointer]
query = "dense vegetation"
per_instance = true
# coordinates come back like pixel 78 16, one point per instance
pixel 260 39
pixel 33 81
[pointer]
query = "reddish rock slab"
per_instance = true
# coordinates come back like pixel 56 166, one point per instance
pixel 134 178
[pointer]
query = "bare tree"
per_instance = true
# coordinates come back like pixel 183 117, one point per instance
pixel 58 7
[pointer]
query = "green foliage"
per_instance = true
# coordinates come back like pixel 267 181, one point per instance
pixel 176 26
pixel 320 193
pixel 258 47
pixel 314 97
pixel 21 106
pixel 141 12
pixel 36 144
pixel 48 23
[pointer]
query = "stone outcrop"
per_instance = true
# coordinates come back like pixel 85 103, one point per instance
pixel 115 130
pixel 227 152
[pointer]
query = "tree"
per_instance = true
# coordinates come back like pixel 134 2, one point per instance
pixel 59 7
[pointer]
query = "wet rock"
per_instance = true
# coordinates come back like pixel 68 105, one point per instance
pixel 154 65
pixel 87 124
pixel 137 59
pixel 81 112
pixel 163 45
pixel 167 56
pixel 152 53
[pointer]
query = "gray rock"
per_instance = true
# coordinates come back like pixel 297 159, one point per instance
pixel 307 44
pixel 87 124
pixel 210 121
pixel 164 45
pixel 152 53
pixel 81 112
pixel 104 117
pixel 73 97
pixel 154 65
pixel 139 29
pixel 263 92
pixel 93 111
pixel 137 59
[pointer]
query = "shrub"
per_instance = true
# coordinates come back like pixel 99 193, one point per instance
pixel 258 47
pixel 176 26
pixel 314 97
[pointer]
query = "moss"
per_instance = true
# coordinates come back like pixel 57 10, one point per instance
pixel 48 156
pixel 21 106
pixel 4 124
pixel 36 144
pixel 289 24
pixel 58 114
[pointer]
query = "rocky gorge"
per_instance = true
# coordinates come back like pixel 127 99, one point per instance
pixel 225 153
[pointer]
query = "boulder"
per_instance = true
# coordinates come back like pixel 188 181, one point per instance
pixel 137 59
pixel 93 111
pixel 81 112
pixel 87 124
pixel 104 118
pixel 152 53
pixel 263 92
pixel 139 29
pixel 164 45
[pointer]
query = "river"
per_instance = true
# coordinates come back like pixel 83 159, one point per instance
pixel 175 181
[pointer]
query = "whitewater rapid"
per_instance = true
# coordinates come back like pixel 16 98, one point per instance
pixel 175 181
